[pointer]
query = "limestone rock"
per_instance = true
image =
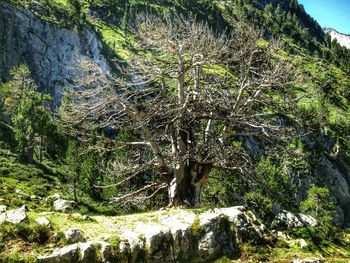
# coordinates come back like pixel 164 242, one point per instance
pixel 73 235
pixel 20 192
pixel 79 252
pixel 287 220
pixel 14 216
pixel 34 197
pixel 87 252
pixel 43 221
pixel 87 218
pixel 173 238
pixel 68 254
pixel 3 208
pixel 245 225
pixel 63 205
pixel 52 52
pixel 106 251
pixel 216 238
pixel 308 260
pixel 303 243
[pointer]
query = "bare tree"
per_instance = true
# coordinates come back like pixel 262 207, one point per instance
pixel 186 102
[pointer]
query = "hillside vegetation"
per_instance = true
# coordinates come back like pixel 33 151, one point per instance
pixel 201 104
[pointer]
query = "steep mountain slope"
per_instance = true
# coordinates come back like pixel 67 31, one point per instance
pixel 342 39
pixel 50 51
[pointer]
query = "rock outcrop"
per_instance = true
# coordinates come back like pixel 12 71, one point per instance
pixel 287 220
pixel 51 52
pixel 342 39
pixel 62 205
pixel 14 216
pixel 73 235
pixel 43 221
pixel 173 238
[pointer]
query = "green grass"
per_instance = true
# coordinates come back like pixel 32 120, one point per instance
pixel 121 43
pixel 28 178
pixel 286 252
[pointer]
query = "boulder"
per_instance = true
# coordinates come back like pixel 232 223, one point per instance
pixel 245 224
pixel 68 254
pixel 87 218
pixel 3 208
pixel 73 235
pixel 303 243
pixel 308 260
pixel 34 197
pixel 79 252
pixel 43 221
pixel 20 192
pixel 63 205
pixel 106 251
pixel 87 252
pixel 287 220
pixel 179 236
pixel 216 235
pixel 14 216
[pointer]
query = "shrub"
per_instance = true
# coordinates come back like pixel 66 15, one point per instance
pixel 319 205
pixel 196 228
pixel 31 232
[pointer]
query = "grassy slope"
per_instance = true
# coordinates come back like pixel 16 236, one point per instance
pixel 32 180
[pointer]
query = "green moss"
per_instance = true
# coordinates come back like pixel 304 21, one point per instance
pixel 196 228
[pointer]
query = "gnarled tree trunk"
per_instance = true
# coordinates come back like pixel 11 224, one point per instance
pixel 189 179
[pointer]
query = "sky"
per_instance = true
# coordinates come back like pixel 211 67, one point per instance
pixel 330 13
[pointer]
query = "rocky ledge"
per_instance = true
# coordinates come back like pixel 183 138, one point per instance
pixel 180 236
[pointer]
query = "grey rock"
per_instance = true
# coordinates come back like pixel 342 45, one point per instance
pixel 171 238
pixel 80 252
pixel 73 235
pixel 63 205
pixel 308 260
pixel 34 197
pixel 68 254
pixel 14 216
pixel 216 239
pixel 287 220
pixel 87 252
pixel 20 192
pixel 51 52
pixel 106 251
pixel 337 182
pixel 303 243
pixel 87 218
pixel 3 208
pixel 245 225
pixel 43 221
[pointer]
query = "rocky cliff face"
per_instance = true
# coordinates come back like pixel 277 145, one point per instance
pixel 178 236
pixel 51 52
pixel 342 39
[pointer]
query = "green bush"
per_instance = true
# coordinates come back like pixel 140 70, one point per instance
pixel 319 204
pixel 32 232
